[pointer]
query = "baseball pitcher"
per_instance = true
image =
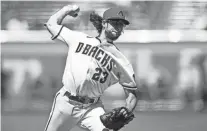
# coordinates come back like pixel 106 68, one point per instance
pixel 93 64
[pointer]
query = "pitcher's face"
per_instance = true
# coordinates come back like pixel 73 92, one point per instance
pixel 114 28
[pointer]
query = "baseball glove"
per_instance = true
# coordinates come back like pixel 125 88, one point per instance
pixel 116 119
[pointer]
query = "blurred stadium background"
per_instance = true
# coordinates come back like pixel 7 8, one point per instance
pixel 162 42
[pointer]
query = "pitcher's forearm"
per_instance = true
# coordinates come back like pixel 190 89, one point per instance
pixel 58 17
pixel 131 101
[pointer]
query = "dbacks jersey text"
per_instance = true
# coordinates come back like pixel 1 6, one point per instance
pixel 93 66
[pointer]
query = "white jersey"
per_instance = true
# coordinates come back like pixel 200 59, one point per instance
pixel 93 66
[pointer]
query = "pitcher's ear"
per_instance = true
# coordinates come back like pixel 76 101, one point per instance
pixel 104 22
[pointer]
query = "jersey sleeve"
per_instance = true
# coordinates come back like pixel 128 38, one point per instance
pixel 64 34
pixel 124 71
pixel 127 77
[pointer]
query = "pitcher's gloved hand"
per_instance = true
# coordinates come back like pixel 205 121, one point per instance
pixel 117 118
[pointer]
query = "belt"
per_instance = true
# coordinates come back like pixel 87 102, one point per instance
pixel 81 99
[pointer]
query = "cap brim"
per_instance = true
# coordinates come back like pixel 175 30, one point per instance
pixel 126 22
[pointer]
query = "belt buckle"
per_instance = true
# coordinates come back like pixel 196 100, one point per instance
pixel 88 102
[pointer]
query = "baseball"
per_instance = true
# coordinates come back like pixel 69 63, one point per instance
pixel 75 7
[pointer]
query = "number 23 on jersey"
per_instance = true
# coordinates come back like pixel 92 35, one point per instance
pixel 98 75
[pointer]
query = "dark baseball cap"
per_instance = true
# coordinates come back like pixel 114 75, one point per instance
pixel 115 13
